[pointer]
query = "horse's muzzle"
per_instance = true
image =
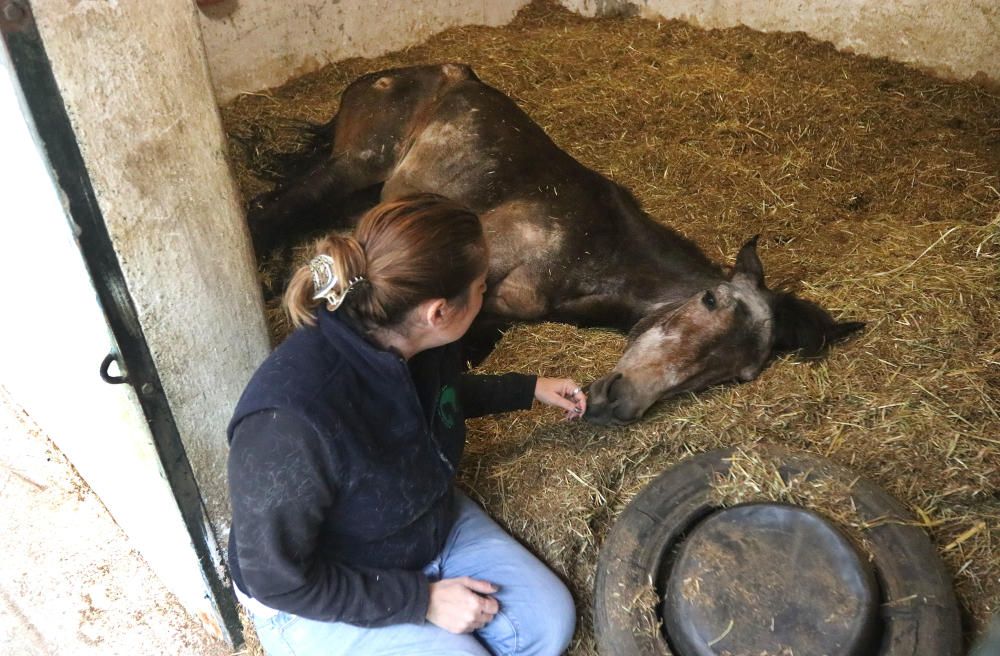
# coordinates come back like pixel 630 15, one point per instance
pixel 611 401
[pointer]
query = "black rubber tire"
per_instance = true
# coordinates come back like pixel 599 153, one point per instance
pixel 919 612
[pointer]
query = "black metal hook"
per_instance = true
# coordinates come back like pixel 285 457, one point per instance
pixel 108 378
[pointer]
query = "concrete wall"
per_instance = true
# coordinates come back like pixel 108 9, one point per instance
pixel 955 39
pixel 257 44
pixel 134 79
pixel 52 340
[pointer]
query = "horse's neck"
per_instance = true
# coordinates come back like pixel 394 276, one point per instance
pixel 662 267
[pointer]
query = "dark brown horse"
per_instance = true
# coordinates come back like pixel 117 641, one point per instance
pixel 566 243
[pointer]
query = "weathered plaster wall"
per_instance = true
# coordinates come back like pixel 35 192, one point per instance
pixel 51 343
pixel 256 44
pixel 957 39
pixel 134 79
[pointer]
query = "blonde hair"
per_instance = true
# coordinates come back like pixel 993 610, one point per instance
pixel 405 251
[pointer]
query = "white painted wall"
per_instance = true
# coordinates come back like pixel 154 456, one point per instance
pixel 957 39
pixel 52 339
pixel 258 44
pixel 135 82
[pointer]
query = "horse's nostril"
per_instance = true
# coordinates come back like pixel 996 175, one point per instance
pixel 627 416
pixel 603 414
pixel 609 391
pixel 600 400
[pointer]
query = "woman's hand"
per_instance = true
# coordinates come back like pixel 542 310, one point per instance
pixel 461 605
pixel 562 393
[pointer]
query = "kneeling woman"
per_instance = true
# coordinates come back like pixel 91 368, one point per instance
pixel 348 536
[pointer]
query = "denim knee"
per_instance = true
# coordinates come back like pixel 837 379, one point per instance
pixel 553 630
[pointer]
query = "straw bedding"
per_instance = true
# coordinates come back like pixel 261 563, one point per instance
pixel 875 189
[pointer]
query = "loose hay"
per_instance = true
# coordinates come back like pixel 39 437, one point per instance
pixel 875 189
pixel 647 599
pixel 755 479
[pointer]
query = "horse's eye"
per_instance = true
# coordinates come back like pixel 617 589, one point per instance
pixel 709 300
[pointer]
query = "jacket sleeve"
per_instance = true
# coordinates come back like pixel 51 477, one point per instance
pixel 486 395
pixel 282 482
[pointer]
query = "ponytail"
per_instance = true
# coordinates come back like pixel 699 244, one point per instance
pixel 346 261
pixel 403 252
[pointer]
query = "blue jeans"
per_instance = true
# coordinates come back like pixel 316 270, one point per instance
pixel 536 615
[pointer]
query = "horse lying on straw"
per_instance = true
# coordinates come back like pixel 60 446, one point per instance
pixel 566 243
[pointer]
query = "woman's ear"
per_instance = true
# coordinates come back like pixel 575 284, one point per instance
pixel 435 312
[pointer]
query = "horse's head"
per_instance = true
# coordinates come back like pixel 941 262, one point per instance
pixel 725 332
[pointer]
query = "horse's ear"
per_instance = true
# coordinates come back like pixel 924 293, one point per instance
pixel 748 264
pixel 803 326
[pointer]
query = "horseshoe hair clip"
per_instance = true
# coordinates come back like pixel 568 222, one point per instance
pixel 325 282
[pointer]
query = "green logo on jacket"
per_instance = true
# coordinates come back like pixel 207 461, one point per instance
pixel 447 406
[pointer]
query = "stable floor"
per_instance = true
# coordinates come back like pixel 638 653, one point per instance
pixel 69 581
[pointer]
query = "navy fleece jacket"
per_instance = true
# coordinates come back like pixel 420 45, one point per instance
pixel 342 458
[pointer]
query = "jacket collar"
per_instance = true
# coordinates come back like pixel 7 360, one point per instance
pixel 368 358
pixel 348 339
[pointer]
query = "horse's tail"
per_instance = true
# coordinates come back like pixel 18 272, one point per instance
pixel 308 144
pixel 286 148
pixel 313 145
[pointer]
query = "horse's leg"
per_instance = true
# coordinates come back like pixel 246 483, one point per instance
pixel 482 337
pixel 312 201
pixel 603 310
pixel 282 260
pixel 378 113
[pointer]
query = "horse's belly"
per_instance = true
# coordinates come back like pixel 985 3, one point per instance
pixel 526 254
pixel 517 296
